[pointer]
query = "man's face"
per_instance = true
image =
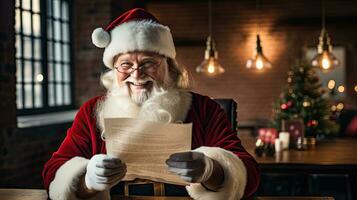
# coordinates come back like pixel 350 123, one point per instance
pixel 140 71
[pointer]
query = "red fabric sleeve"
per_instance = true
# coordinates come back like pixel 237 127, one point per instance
pixel 81 140
pixel 218 132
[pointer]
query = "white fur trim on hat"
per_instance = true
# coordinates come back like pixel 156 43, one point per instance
pixel 142 35
pixel 100 38
pixel 235 176
pixel 63 186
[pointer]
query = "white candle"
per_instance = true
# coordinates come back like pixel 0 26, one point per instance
pixel 284 137
pixel 278 145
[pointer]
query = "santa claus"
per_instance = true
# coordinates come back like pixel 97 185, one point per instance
pixel 146 82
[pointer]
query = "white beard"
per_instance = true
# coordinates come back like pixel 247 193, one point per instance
pixel 159 104
pixel 141 96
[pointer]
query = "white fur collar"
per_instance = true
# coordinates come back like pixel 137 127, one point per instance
pixel 170 106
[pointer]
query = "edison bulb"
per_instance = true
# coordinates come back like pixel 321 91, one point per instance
pixel 259 63
pixel 211 67
pixel 325 62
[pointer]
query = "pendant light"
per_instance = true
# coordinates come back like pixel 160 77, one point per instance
pixel 324 59
pixel 210 66
pixel 258 62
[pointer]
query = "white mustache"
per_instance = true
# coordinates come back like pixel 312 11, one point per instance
pixel 138 81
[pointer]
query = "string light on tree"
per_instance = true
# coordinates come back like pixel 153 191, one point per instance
pixel 333 108
pixel 331 84
pixel 340 106
pixel 306 104
pixel 341 89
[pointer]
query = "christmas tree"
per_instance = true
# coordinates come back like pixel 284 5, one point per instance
pixel 303 98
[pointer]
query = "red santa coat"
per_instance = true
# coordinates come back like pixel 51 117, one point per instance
pixel 211 134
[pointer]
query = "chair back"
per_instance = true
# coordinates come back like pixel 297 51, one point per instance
pixel 230 106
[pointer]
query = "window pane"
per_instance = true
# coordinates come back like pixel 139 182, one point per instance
pixel 27 47
pixel 49 29
pixel 57 30
pixel 36 5
pixel 59 94
pixel 17 20
pixel 58 72
pixel 56 9
pixel 37 49
pixel 38 96
pixel 18 46
pixel 26 4
pixel 51 94
pixel 28 96
pixel 28 72
pixel 49 7
pixel 19 96
pixel 17 3
pixel 65 32
pixel 26 22
pixel 38 72
pixel 49 51
pixel 66 53
pixel 36 25
pixel 65 10
pixel 50 72
pixel 66 72
pixel 58 54
pixel 67 93
pixel 18 70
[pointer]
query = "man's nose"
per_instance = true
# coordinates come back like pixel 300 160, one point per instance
pixel 137 73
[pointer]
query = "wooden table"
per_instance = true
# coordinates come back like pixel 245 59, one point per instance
pixel 329 156
pixel 32 194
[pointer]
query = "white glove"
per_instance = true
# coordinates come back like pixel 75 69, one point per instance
pixel 103 172
pixel 193 167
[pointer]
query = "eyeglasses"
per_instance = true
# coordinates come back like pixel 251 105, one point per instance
pixel 147 67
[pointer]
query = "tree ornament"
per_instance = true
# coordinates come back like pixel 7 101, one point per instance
pixel 312 123
pixel 284 106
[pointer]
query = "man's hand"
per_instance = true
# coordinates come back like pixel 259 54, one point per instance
pixel 103 172
pixel 193 167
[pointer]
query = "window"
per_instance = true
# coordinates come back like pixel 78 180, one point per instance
pixel 43 56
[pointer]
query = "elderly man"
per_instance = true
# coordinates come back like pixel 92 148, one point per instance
pixel 145 82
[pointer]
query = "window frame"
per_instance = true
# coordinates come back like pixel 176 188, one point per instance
pixel 44 39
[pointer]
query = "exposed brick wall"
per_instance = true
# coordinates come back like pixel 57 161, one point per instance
pixel 25 153
pixel 88 59
pixel 90 15
pixel 7 80
pixel 7 66
pixel 285 27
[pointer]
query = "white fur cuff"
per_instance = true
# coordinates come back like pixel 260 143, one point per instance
pixel 67 176
pixel 235 176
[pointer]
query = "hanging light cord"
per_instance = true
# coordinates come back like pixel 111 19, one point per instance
pixel 257 8
pixel 323 14
pixel 210 17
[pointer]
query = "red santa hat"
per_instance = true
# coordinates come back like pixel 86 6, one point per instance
pixel 135 30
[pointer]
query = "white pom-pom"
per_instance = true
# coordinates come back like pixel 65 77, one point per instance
pixel 100 38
